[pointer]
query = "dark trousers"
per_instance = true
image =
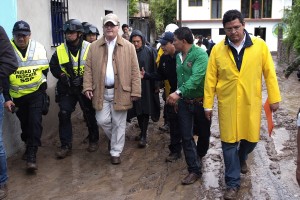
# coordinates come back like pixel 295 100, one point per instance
pixel 186 114
pixel 67 105
pixel 202 130
pixel 175 136
pixel 30 115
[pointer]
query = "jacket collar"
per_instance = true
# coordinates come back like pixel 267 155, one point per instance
pixel 248 41
pixel 120 41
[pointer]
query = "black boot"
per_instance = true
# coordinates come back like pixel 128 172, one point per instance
pixel 143 140
pixel 31 158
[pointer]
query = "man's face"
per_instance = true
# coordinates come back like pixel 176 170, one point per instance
pixel 72 36
pixel 91 37
pixel 21 40
pixel 110 31
pixel 235 31
pixel 178 44
pixel 137 42
pixel 125 30
pixel 169 48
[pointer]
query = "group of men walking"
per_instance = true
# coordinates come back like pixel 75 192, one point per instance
pixel 112 75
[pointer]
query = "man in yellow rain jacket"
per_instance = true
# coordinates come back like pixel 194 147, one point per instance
pixel 27 89
pixel 234 74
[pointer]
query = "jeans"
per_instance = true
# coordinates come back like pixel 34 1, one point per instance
pixel 3 165
pixel 175 136
pixel 234 154
pixel 186 121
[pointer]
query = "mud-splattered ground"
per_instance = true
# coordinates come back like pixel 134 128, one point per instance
pixel 144 174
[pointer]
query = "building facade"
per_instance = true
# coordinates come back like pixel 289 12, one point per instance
pixel 204 17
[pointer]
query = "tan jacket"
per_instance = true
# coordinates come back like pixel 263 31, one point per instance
pixel 126 70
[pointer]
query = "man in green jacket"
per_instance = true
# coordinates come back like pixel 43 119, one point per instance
pixel 191 65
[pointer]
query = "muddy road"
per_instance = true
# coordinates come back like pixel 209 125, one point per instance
pixel 144 174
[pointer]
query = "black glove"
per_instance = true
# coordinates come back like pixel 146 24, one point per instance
pixel 65 79
pixel 77 81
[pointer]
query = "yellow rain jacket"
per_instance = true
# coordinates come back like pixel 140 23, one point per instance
pixel 239 93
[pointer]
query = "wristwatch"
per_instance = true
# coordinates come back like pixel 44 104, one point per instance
pixel 178 93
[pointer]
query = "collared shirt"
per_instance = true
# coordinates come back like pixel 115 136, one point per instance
pixel 238 48
pixel 191 72
pixel 109 78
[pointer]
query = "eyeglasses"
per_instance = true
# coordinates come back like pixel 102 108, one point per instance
pixel 233 29
pixel 109 25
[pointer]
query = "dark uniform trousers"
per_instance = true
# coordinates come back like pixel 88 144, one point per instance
pixel 67 105
pixel 30 115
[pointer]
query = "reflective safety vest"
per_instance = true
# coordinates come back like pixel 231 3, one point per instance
pixel 63 58
pixel 29 75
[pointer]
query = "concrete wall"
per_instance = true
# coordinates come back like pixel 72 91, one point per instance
pixel 38 15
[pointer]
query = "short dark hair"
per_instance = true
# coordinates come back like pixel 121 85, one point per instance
pixel 125 25
pixel 231 15
pixel 184 33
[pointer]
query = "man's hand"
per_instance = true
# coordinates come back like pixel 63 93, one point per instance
pixel 89 94
pixel 9 105
pixel 274 107
pixel 173 98
pixel 65 79
pixel 142 73
pixel 208 114
pixel 298 174
pixel 133 98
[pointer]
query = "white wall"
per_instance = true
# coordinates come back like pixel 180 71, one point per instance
pixel 37 13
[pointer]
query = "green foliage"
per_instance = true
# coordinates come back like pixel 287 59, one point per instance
pixel 291 18
pixel 163 12
pixel 133 7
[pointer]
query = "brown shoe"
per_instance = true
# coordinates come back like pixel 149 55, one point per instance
pixel 93 147
pixel 115 160
pixel 190 179
pixel 31 166
pixel 63 152
pixel 244 167
pixel 231 193
pixel 3 191
pixel 173 157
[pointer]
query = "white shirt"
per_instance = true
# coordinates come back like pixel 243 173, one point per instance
pixel 109 78
pixel 238 48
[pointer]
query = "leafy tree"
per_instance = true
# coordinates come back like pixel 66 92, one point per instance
pixel 133 7
pixel 163 12
pixel 291 18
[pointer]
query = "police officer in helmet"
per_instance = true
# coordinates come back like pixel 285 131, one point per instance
pixel 67 65
pixel 91 32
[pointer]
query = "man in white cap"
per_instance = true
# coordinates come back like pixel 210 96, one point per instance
pixel 112 81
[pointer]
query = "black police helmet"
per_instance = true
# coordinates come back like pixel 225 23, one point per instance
pixel 89 28
pixel 73 25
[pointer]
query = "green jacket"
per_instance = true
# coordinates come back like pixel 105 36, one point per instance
pixel 191 72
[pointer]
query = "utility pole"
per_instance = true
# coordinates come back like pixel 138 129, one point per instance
pixel 179 13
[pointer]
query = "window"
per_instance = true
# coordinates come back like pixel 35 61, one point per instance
pixel 195 2
pixel 59 14
pixel 216 6
pixel 264 7
pixel 107 12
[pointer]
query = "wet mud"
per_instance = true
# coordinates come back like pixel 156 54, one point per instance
pixel 144 174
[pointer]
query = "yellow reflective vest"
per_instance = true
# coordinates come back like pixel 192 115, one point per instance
pixel 63 58
pixel 29 75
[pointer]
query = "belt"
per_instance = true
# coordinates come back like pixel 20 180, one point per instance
pixel 198 100
pixel 109 87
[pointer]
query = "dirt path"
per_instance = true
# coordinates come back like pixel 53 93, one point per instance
pixel 144 174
